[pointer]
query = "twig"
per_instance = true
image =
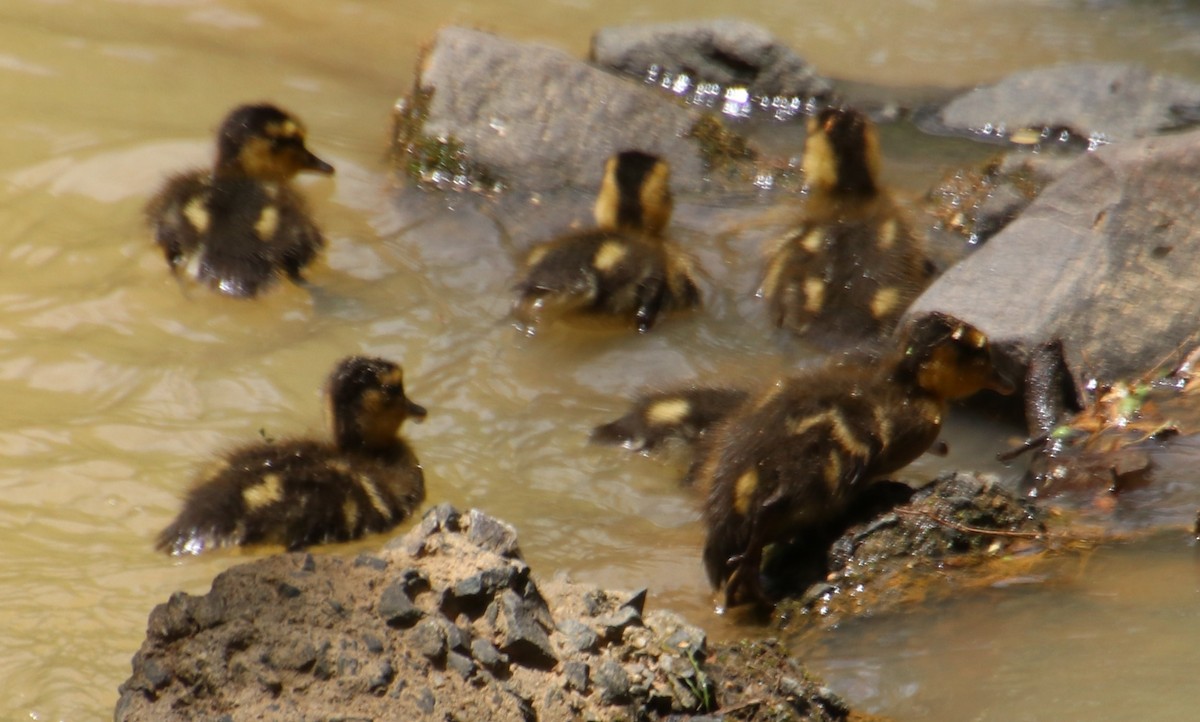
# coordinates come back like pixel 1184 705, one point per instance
pixel 970 529
pixel 740 707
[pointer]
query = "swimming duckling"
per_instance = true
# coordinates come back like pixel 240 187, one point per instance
pixel 684 414
pixel 299 492
pixel 799 454
pixel 624 268
pixel 853 265
pixel 238 227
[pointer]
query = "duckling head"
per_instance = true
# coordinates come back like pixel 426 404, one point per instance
pixel 367 403
pixel 635 193
pixel 841 153
pixel 953 359
pixel 266 143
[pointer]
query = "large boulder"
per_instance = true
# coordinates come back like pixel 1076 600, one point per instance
pixel 1106 260
pixel 1098 101
pixel 489 111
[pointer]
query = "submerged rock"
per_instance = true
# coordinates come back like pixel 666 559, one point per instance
pixel 490 112
pixel 434 629
pixel 1097 102
pixel 728 54
pixel 1104 261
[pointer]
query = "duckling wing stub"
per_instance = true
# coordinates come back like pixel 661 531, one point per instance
pixel 179 216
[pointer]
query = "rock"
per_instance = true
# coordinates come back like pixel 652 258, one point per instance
pixel 491 533
pixel 1104 261
pixel 1103 102
pixel 729 53
pixel 488 112
pixel 244 647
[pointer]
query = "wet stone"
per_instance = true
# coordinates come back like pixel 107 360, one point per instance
pixel 612 681
pixel 492 534
pixel 396 608
pixel 579 636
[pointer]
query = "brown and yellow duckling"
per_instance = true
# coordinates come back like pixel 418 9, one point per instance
pixel 300 492
pixel 853 265
pixel 684 414
pixel 240 226
pixel 625 268
pixel 799 454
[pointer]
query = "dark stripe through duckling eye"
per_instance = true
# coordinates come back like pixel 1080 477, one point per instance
pixel 847 133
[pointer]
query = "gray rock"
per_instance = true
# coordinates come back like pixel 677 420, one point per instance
pixel 428 639
pixel 396 608
pixel 611 626
pixel 1106 101
pixel 1105 261
pixel 533 117
pixel 521 635
pixel 460 663
pixel 727 52
pixel 487 655
pixel 612 681
pixel 575 676
pixel 579 636
pixel 492 534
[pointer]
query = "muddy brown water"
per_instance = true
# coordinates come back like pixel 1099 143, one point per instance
pixel 116 384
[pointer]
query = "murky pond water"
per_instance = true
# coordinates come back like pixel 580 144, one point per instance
pixel 117 384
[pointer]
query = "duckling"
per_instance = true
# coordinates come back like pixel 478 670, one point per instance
pixel 853 265
pixel 624 268
pixel 684 414
pixel 238 227
pixel 798 455
pixel 298 492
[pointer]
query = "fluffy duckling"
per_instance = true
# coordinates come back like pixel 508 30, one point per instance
pixel 797 456
pixel 240 226
pixel 624 268
pixel 299 492
pixel 853 265
pixel 682 414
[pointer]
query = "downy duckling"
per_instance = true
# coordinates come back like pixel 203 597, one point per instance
pixel 624 268
pixel 240 226
pixel 684 414
pixel 797 456
pixel 853 265
pixel 299 492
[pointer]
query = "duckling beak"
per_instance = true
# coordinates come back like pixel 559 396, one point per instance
pixel 312 163
pixel 415 411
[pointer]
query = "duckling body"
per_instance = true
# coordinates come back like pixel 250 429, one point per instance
pixel 301 492
pixel 624 269
pixel 240 226
pixel 852 265
pixel 796 456
pixel 683 414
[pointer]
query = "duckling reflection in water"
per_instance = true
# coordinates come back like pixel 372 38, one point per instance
pixel 300 492
pixel 795 457
pixel 240 226
pixel 625 268
pixel 852 266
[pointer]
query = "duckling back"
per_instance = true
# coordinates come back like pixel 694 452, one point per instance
pixel 624 269
pixel 683 414
pixel 296 494
pixel 853 264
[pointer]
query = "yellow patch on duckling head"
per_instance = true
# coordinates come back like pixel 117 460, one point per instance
pixel 668 411
pixel 819 163
pixel 196 213
pixel 813 241
pixel 743 492
pixel 887 234
pixel 267 223
pixel 608 198
pixel 285 129
pixel 264 493
pixel 367 484
pixel 609 255
pixel 885 302
pixel 814 294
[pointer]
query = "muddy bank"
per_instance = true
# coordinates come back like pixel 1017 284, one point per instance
pixel 446 622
